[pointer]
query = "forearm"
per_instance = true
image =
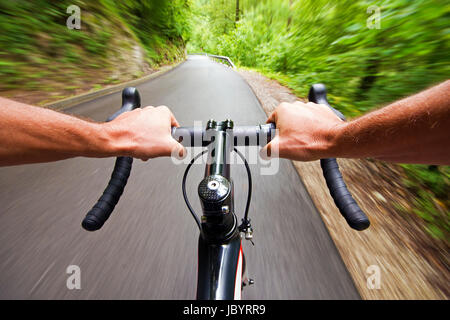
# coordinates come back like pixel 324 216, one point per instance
pixel 412 130
pixel 32 134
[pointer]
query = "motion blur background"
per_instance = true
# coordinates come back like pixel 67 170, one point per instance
pixel 295 42
pixel 334 42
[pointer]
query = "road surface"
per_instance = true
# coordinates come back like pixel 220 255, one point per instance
pixel 148 248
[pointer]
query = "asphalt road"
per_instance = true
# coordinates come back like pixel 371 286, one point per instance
pixel 148 248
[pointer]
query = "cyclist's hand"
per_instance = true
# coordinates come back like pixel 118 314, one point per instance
pixel 306 131
pixel 145 133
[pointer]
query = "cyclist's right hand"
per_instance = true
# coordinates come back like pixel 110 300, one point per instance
pixel 306 131
pixel 143 133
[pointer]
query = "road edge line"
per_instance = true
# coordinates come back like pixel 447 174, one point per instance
pixel 69 102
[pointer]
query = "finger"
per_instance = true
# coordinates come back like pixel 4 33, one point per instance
pixel 271 150
pixel 173 121
pixel 328 110
pixel 272 117
pixel 177 150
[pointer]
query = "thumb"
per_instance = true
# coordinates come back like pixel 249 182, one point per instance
pixel 271 150
pixel 177 149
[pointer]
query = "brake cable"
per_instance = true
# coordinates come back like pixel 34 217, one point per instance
pixel 183 187
pixel 245 221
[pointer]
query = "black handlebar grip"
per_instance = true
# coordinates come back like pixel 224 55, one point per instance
pixel 343 199
pixel 101 211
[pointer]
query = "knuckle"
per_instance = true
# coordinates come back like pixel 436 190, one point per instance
pixel 301 104
pixel 164 108
pixel 282 106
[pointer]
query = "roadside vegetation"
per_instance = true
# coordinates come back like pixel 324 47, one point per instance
pixel 42 59
pixel 365 63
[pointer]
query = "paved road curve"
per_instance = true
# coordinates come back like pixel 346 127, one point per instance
pixel 147 250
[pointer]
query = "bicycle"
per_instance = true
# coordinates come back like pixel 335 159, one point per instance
pixel 221 261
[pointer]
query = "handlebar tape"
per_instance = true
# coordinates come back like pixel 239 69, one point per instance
pixel 348 207
pixel 100 212
pixel 343 199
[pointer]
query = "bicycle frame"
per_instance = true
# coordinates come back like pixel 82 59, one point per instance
pixel 220 254
pixel 220 270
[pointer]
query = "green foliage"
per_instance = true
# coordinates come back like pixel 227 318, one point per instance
pixel 166 22
pixel 34 34
pixel 301 42
pixel 432 204
pixel 314 41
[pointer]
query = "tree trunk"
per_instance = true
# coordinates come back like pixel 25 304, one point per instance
pixel 237 11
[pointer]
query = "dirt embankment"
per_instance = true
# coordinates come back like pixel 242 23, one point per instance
pixel 412 264
pixel 59 80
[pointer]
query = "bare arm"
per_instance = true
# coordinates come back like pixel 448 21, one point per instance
pixel 31 134
pixel 412 130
